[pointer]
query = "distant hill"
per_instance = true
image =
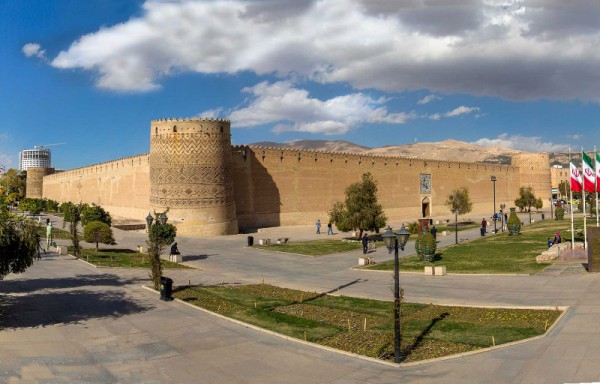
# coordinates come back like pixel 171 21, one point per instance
pixel 443 150
pixel 317 145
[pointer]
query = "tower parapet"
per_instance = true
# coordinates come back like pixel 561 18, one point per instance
pixel 190 173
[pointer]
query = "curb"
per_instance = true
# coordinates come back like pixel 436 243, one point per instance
pixel 565 309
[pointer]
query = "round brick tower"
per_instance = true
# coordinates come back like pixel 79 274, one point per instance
pixel 190 173
pixel 534 169
pixel 35 181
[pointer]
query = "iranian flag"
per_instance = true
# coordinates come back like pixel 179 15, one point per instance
pixel 589 173
pixel 597 172
pixel 576 183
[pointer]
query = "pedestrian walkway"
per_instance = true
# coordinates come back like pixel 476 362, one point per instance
pixel 65 321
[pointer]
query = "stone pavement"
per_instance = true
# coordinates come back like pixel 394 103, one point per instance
pixel 68 322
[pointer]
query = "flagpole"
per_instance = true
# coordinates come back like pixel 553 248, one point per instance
pixel 583 196
pixel 571 202
pixel 596 184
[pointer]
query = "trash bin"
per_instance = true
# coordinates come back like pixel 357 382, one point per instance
pixel 166 288
pixel 543 216
pixel 250 241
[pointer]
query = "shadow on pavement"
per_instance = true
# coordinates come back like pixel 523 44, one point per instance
pixel 38 302
pixel 32 285
pixel 43 309
pixel 196 257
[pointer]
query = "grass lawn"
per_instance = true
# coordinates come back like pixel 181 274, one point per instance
pixel 498 253
pixel 126 258
pixel 313 248
pixel 365 326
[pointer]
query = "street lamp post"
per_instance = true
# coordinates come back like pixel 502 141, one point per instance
pixel 393 241
pixel 502 207
pixel 493 178
pixel 456 211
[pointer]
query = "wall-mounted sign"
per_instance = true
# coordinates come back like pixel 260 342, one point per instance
pixel 425 183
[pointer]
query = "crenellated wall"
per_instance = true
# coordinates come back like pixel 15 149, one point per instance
pixel 120 186
pixel 213 188
pixel 275 186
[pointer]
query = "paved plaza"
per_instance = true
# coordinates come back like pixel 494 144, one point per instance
pixel 65 321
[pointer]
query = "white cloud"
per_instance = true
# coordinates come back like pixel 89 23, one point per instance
pixel 213 113
pixel 523 143
pixel 575 137
pixel 462 110
pixel 480 47
pixel 292 109
pixel 428 99
pixel 34 49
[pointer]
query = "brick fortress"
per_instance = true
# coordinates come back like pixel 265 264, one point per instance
pixel 214 188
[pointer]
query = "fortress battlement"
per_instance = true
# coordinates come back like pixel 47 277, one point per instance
pixel 189 126
pixel 174 119
pixel 122 162
pixel 284 154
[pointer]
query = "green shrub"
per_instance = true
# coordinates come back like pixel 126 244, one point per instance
pixel 425 246
pixel 559 213
pixel 514 223
pixel 413 227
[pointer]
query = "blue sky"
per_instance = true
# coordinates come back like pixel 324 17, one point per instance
pixel 92 74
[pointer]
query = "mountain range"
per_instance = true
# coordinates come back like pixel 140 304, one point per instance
pixel 443 150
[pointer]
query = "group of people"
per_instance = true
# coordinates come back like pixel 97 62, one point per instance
pixel 557 240
pixel 329 228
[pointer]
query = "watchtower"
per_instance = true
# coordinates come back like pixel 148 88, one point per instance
pixel 35 181
pixel 190 173
pixel 534 171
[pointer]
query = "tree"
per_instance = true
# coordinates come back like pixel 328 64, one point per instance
pixel 360 210
pixel 459 201
pixel 33 206
pixel 526 200
pixel 98 232
pixel 95 213
pixel 19 243
pixel 72 215
pixel 563 188
pixel 159 235
pixel 13 181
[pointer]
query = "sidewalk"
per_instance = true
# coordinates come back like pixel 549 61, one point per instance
pixel 69 322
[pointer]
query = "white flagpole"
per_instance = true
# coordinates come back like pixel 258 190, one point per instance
pixel 583 197
pixel 571 202
pixel 596 185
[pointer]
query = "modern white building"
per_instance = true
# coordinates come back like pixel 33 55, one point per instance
pixel 34 158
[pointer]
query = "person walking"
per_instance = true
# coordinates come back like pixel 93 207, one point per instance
pixel 483 226
pixel 318 224
pixel 365 243
pixel 434 232
pixel 48 235
pixel 329 228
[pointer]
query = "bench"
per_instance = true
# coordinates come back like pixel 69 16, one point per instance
pixel 365 260
pixel 283 240
pixel 371 246
pixel 264 241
